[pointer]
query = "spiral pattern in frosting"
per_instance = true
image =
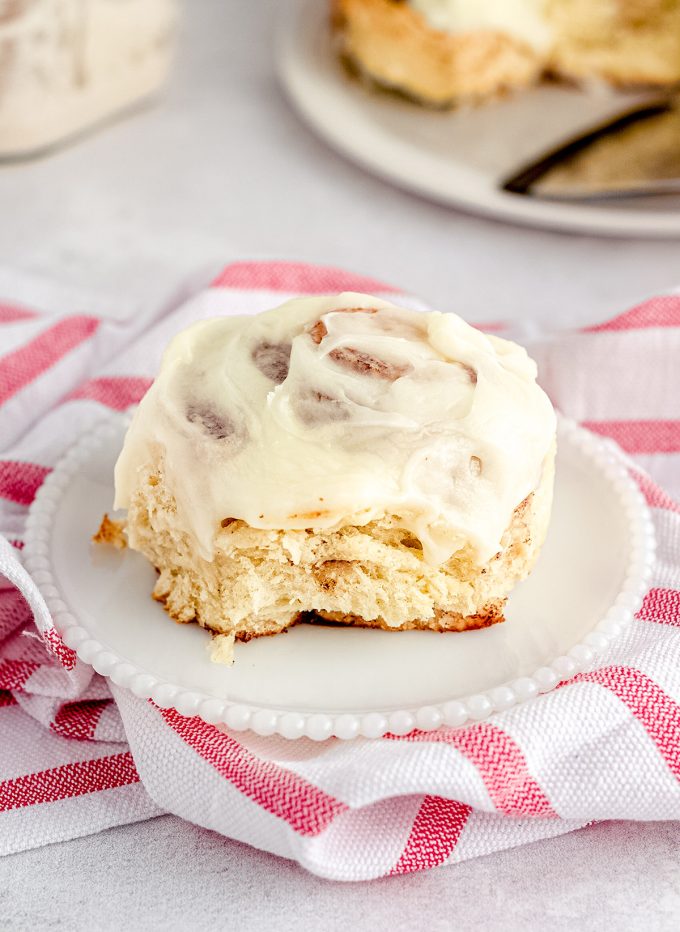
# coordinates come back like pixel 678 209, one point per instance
pixel 338 410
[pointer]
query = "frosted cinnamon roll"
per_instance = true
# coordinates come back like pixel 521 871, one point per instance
pixel 444 52
pixel 339 458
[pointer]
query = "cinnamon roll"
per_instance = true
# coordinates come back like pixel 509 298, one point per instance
pixel 339 459
pixel 445 52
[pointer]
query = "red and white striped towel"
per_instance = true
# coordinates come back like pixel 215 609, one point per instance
pixel 606 745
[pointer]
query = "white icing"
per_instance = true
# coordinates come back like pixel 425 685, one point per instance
pixel 329 443
pixel 522 19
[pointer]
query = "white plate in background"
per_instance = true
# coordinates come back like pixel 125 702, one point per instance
pixel 457 157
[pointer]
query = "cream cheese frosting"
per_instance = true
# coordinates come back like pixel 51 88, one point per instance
pixel 338 410
pixel 523 19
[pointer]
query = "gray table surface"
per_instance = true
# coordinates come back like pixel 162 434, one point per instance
pixel 168 875
pixel 222 168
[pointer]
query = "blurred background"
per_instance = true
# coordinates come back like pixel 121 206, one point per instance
pixel 220 166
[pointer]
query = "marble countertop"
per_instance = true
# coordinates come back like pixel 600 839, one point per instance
pixel 221 168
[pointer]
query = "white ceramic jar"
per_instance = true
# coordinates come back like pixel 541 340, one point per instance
pixel 66 65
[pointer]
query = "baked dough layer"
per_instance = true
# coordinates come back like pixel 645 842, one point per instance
pixel 393 45
pixel 626 43
pixel 263 581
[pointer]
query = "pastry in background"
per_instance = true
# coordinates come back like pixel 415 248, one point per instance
pixel 338 458
pixel 66 66
pixel 627 43
pixel 444 52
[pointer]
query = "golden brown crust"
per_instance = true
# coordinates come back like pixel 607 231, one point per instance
pixel 392 44
pixel 371 575
pixel 443 620
pixel 331 574
pixel 328 575
pixel 243 635
pixel 627 43
pixel 491 614
pixel 111 532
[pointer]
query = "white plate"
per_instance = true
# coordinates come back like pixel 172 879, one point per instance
pixel 320 681
pixel 458 157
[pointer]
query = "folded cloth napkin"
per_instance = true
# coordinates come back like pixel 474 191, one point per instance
pixel 80 754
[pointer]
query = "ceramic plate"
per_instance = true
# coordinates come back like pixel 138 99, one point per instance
pixel 457 157
pixel 320 681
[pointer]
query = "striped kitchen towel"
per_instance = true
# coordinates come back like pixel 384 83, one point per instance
pixel 80 754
